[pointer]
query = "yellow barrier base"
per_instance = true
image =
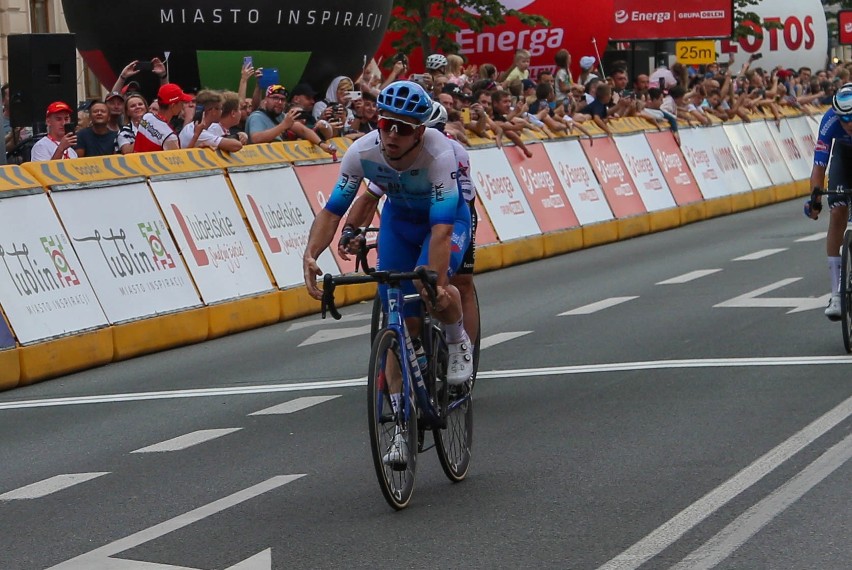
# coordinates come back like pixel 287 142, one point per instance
pixel 764 196
pixel 784 192
pixel 489 257
pixel 160 333
pixel 523 250
pixel 694 212
pixel 295 302
pixel 748 200
pixel 634 226
pixel 664 219
pixel 10 368
pixel 244 314
pixel 718 207
pixel 600 233
pixel 64 355
pixel 563 241
pixel 358 293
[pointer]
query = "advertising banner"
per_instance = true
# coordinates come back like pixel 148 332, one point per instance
pixel 672 19
pixel 844 25
pixel 43 288
pixel 646 174
pixel 785 140
pixel 803 134
pixel 544 190
pixel 485 233
pixel 125 246
pixel 210 231
pixel 768 150
pixel 612 173
pixel 318 181
pixel 697 150
pixel 6 338
pixel 748 156
pixel 682 184
pixel 501 195
pixel 280 215
pixel 726 158
pixel 578 179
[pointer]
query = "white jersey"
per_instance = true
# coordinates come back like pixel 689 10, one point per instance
pixel 46 146
pixel 211 136
pixel 465 183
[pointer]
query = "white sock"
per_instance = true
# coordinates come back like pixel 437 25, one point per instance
pixel 395 398
pixel 455 333
pixel 834 264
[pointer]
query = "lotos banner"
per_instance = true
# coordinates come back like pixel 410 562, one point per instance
pixel 43 288
pixel 280 216
pixel 682 184
pixel 501 195
pixel 545 194
pixel 672 19
pixel 616 182
pixel 212 236
pixel 646 174
pixel 127 250
pixel 578 179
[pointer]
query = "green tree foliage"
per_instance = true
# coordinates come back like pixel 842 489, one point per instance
pixel 743 12
pixel 432 26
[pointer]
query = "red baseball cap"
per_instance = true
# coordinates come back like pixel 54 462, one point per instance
pixel 58 107
pixel 171 93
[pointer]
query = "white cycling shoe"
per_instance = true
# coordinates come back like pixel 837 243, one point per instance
pixel 832 311
pixel 397 455
pixel 460 367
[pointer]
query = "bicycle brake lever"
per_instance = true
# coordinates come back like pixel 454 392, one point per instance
pixel 328 297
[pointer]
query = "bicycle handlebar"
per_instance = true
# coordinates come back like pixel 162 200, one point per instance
pixel 428 278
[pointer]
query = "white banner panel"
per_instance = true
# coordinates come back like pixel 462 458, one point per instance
pixel 647 176
pixel 726 158
pixel 805 131
pixel 210 231
pixel 129 256
pixel 502 196
pixel 697 149
pixel 748 156
pixel 280 215
pixel 797 161
pixel 43 287
pixel 581 186
pixel 768 150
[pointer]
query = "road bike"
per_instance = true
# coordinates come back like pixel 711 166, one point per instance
pixel 845 287
pixel 427 403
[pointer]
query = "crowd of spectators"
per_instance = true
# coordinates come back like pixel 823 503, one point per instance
pixel 481 101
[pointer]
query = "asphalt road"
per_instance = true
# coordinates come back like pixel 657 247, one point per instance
pixel 676 400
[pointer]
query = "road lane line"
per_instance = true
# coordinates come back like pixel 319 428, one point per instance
pixel 294 405
pixel 760 254
pixel 328 335
pixel 599 306
pixel 687 277
pixel 508 374
pixel 813 237
pixel 750 522
pixel 99 558
pixel 49 486
pixel 318 323
pixel 671 531
pixel 187 440
pixel 495 339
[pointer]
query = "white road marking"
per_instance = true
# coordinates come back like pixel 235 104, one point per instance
pixel 690 517
pixel 813 237
pixel 509 374
pixel 489 341
pixel 687 277
pixel 188 440
pixel 760 254
pixel 49 486
pixel 795 304
pixel 750 522
pixel 319 323
pixel 99 559
pixel 599 306
pixel 294 405
pixel 328 335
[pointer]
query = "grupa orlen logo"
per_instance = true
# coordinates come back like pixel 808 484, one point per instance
pixel 621 16
pixel 508 4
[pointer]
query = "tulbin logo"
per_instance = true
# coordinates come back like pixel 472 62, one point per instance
pixel 31 279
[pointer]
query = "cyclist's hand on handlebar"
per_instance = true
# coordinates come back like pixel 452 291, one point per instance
pixel 349 242
pixel 312 271
pixel 814 206
pixel 442 299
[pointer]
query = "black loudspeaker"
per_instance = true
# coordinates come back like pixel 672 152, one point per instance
pixel 42 69
pixel 637 62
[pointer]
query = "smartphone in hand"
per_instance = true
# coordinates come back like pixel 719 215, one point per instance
pixel 145 66
pixel 70 128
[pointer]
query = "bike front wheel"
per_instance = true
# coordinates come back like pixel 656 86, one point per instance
pixel 454 442
pixel 396 477
pixel 846 290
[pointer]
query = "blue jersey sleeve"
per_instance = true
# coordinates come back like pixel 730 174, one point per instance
pixel 831 131
pixel 351 174
pixel 445 189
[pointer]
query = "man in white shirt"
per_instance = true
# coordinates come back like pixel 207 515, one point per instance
pixel 210 130
pixel 57 144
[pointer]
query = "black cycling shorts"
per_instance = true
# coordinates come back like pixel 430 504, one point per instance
pixel 839 174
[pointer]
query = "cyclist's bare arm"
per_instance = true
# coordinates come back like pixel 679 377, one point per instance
pixel 322 232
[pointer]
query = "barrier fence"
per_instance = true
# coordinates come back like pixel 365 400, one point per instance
pixel 106 258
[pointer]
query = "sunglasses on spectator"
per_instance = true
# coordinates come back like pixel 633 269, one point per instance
pixel 402 128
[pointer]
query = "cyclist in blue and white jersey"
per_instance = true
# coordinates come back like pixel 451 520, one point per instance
pixel 365 205
pixel 425 220
pixel 834 141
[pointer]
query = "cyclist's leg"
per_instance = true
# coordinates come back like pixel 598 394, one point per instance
pixel 839 177
pixel 463 281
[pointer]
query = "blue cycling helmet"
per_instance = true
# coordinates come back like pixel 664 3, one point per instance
pixel 842 100
pixel 406 98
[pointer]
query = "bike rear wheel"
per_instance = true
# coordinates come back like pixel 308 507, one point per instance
pixel 395 481
pixel 478 337
pixel 846 290
pixel 453 442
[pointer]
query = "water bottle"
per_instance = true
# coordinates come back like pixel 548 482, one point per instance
pixel 422 361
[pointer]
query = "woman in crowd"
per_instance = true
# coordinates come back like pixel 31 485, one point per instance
pixel 135 106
